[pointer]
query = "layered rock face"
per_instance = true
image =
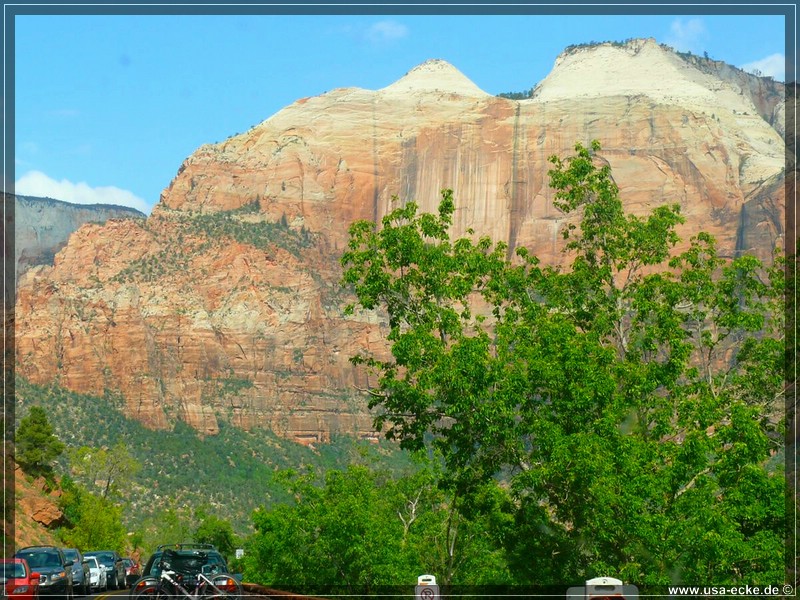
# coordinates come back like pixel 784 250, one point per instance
pixel 42 226
pixel 225 306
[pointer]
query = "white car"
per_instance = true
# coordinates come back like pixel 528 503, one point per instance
pixel 98 579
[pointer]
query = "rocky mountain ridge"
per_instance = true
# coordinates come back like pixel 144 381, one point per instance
pixel 42 226
pixel 224 306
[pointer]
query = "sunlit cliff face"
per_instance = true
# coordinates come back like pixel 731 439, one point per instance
pixel 193 323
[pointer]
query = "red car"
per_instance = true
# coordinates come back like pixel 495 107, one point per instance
pixel 132 570
pixel 18 580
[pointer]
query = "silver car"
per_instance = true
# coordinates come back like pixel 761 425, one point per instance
pixel 80 571
pixel 98 579
pixel 115 568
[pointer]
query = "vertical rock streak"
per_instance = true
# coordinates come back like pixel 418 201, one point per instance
pixel 106 311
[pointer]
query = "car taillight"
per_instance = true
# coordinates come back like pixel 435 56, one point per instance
pixel 227 584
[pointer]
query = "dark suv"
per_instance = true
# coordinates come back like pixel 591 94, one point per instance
pixel 80 571
pixel 54 567
pixel 112 562
pixel 186 559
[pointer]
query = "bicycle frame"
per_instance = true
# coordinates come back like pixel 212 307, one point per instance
pixel 204 589
pixel 167 576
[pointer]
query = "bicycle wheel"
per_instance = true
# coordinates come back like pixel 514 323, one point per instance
pixel 222 587
pixel 151 591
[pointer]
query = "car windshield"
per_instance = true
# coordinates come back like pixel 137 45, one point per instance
pixel 13 570
pixel 92 562
pixel 185 562
pixel 71 554
pixel 105 557
pixel 42 559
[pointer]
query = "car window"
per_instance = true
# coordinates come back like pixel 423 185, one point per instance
pixel 71 554
pixel 13 570
pixel 52 560
pixel 184 562
pixel 42 559
pixel 33 560
pixel 92 562
pixel 105 556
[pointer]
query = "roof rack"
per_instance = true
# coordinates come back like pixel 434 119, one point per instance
pixel 187 546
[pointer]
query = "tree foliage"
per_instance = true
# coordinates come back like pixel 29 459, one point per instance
pixel 106 470
pixel 631 398
pixel 231 471
pixel 362 532
pixel 36 445
pixel 93 521
pixel 213 530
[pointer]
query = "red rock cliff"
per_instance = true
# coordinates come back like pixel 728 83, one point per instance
pixel 192 319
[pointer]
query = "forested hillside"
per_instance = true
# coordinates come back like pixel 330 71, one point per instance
pixel 233 472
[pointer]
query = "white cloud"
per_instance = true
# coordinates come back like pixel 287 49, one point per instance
pixel 36 183
pixel 687 35
pixel 385 31
pixel 773 66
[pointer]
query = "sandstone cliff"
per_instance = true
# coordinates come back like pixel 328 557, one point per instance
pixel 42 226
pixel 224 306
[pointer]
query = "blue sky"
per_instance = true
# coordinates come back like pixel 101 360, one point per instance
pixel 108 107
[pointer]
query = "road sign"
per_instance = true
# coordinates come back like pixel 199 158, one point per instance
pixel 603 588
pixel 426 592
pixel 426 588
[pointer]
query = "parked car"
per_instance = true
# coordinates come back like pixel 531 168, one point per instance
pixel 18 580
pixel 80 571
pixel 53 567
pixel 115 568
pixel 132 570
pixel 187 559
pixel 98 578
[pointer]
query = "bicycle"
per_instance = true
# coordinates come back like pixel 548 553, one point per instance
pixel 168 586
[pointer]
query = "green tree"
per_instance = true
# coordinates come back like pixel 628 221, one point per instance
pixel 630 398
pixel 94 521
pixel 336 535
pixel 363 530
pixel 36 446
pixel 215 531
pixel 172 525
pixel 108 471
